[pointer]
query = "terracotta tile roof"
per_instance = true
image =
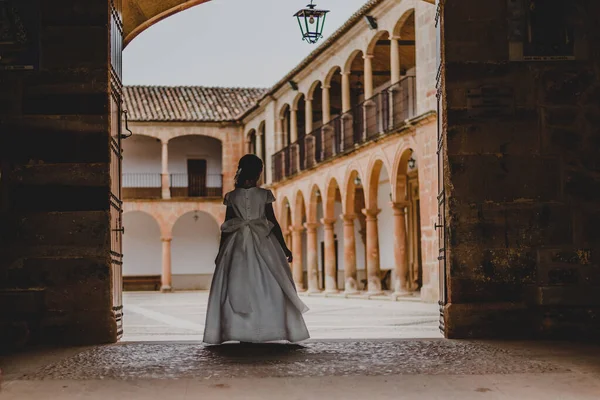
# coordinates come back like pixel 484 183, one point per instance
pixel 188 103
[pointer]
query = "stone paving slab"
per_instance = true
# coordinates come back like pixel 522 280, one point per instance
pixel 167 360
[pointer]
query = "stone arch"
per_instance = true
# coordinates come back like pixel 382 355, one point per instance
pixel 376 165
pixel 285 215
pixel 350 187
pixel 194 246
pixel 135 21
pixel 398 172
pixel 296 102
pixel 406 17
pixel 311 90
pixel 373 43
pixel 348 64
pixel 142 243
pixel 251 142
pixel 312 209
pixel 330 197
pixel 299 213
pixel 330 75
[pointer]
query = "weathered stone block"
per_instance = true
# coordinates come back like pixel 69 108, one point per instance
pixel 499 178
pixel 62 174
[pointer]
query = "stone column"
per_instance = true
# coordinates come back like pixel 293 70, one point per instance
pixel 280 134
pixel 350 274
pixel 330 272
pixel 293 126
pixel 165 181
pixel 373 269
pixel 326 104
pixel 297 263
pixel 166 265
pixel 308 115
pixel 368 84
pixel 400 249
pixel 346 92
pixel 312 257
pixel 395 59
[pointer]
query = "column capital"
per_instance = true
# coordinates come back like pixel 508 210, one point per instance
pixel 346 73
pixel 399 207
pixel 166 240
pixel 328 222
pixel 164 142
pixel 325 87
pixel 368 56
pixel 297 229
pixel 348 218
pixel 311 226
pixel 371 213
pixel 395 37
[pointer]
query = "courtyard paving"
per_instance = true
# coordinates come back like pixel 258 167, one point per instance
pixel 180 316
pixel 361 349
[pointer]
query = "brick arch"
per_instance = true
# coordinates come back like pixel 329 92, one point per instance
pixel 376 164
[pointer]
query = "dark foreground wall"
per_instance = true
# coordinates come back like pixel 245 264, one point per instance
pixel 522 171
pixel 55 278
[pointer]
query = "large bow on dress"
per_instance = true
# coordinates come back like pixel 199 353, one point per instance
pixel 260 226
pixel 237 278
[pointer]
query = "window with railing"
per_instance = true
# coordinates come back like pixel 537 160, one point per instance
pixel 382 114
pixel 141 186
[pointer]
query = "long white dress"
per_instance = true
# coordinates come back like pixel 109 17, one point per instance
pixel 252 297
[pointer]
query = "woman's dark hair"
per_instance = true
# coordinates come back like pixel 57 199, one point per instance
pixel 249 169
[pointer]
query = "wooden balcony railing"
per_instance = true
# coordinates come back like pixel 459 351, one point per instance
pixel 383 113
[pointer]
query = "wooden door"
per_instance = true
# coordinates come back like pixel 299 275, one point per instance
pixel 196 178
pixel 116 158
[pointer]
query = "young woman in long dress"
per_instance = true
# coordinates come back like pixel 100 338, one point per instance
pixel 253 297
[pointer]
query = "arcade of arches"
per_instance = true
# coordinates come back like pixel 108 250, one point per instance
pixel 516 237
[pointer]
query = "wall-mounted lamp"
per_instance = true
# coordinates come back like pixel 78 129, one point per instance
pixel 411 162
pixel 357 181
pixel 196 217
pixel 318 193
pixel 390 196
pixel 371 21
pixel 293 85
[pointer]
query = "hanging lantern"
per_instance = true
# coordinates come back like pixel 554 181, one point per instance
pixel 312 22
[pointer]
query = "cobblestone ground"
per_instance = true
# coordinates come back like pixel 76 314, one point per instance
pixel 180 316
pixel 155 362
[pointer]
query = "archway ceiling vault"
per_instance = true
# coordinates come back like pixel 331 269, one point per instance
pixel 139 15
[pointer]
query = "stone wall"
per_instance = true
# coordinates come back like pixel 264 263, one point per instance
pixel 521 177
pixel 55 280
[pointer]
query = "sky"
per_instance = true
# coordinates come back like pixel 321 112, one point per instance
pixel 234 43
